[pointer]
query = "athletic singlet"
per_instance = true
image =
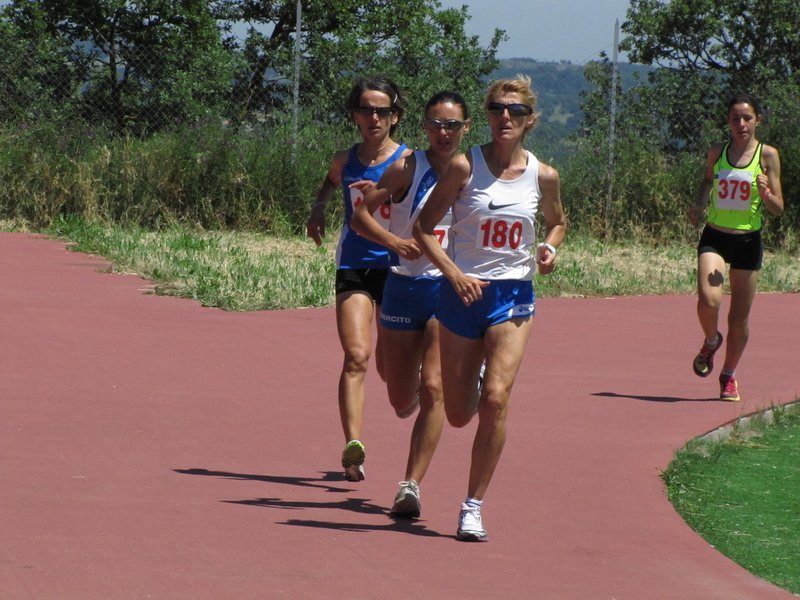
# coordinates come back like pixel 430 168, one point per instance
pixel 493 222
pixel 736 203
pixel 405 212
pixel 354 251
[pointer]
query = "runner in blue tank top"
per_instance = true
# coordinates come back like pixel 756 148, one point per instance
pixel 741 177
pixel 408 323
pixel 486 309
pixel 376 106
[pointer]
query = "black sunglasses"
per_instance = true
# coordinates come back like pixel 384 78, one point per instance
pixel 381 111
pixel 514 110
pixel 436 124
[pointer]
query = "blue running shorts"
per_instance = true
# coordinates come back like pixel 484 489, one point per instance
pixel 503 299
pixel 409 302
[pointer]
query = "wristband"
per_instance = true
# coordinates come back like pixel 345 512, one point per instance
pixel 319 204
pixel 548 246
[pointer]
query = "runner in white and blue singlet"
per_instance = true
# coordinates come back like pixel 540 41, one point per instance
pixel 486 309
pixel 410 330
pixel 376 105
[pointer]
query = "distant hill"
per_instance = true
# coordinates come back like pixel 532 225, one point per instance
pixel 558 86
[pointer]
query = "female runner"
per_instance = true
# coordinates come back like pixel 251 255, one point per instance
pixel 376 105
pixel 409 328
pixel 486 310
pixel 741 176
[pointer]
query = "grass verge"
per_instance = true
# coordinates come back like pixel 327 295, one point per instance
pixel 236 270
pixel 740 493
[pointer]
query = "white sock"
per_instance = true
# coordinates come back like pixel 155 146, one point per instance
pixel 713 343
pixel 728 373
pixel 473 502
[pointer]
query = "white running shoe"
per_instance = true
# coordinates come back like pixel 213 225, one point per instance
pixel 406 502
pixel 470 527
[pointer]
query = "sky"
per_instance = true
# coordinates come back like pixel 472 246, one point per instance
pixel 546 30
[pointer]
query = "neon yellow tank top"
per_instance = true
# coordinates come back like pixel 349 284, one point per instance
pixel 735 201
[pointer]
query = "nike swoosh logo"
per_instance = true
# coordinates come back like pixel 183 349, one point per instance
pixel 493 206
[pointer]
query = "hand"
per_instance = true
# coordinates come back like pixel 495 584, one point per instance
pixel 408 249
pixel 545 259
pixel 694 213
pixel 468 288
pixel 762 181
pixel 315 226
pixel 363 186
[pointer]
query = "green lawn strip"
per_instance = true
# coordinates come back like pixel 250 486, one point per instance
pixel 742 495
pixel 228 270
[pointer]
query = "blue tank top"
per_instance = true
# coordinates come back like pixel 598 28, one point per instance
pixel 355 251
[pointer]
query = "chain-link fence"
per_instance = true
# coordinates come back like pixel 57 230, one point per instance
pixel 228 125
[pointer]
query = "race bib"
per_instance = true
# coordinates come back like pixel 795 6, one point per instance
pixel 381 215
pixel 734 189
pixel 499 234
pixel 441 233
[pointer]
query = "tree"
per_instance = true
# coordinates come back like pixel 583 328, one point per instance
pixel 423 48
pixel 133 61
pixel 730 36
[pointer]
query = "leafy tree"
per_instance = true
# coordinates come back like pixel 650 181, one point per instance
pixel 424 49
pixel 730 36
pixel 34 77
pixel 136 61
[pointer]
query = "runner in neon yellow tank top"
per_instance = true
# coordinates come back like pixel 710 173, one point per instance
pixel 741 177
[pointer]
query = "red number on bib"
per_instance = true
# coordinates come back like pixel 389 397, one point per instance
pixel 500 235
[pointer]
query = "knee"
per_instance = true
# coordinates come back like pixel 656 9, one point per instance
pixel 458 416
pixel 356 360
pixel 493 405
pixel 430 393
pixel 708 301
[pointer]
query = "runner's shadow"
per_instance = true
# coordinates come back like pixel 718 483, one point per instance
pixel 409 526
pixel 654 398
pixel 312 482
pixel 359 505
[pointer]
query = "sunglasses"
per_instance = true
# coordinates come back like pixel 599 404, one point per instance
pixel 514 110
pixel 449 125
pixel 381 111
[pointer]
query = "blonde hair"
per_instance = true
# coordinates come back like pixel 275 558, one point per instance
pixel 521 84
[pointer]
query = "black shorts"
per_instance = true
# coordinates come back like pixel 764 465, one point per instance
pixel 743 251
pixel 362 280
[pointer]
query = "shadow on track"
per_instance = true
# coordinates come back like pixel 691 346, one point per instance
pixel 655 398
pixel 299 481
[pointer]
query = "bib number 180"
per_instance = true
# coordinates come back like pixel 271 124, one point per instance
pixel 499 233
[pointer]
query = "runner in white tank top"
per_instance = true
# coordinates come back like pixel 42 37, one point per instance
pixel 486 311
pixel 493 222
pixel 408 322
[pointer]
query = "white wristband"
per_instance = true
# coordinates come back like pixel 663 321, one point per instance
pixel 548 246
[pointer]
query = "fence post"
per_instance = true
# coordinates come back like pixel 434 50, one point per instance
pixel 297 48
pixel 611 132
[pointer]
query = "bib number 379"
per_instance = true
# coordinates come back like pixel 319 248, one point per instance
pixel 499 234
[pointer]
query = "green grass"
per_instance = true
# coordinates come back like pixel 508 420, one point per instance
pixel 236 270
pixel 741 495
pixel 232 271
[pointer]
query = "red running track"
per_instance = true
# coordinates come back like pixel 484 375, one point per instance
pixel 152 448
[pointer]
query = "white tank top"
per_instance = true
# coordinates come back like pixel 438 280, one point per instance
pixel 493 222
pixel 405 212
